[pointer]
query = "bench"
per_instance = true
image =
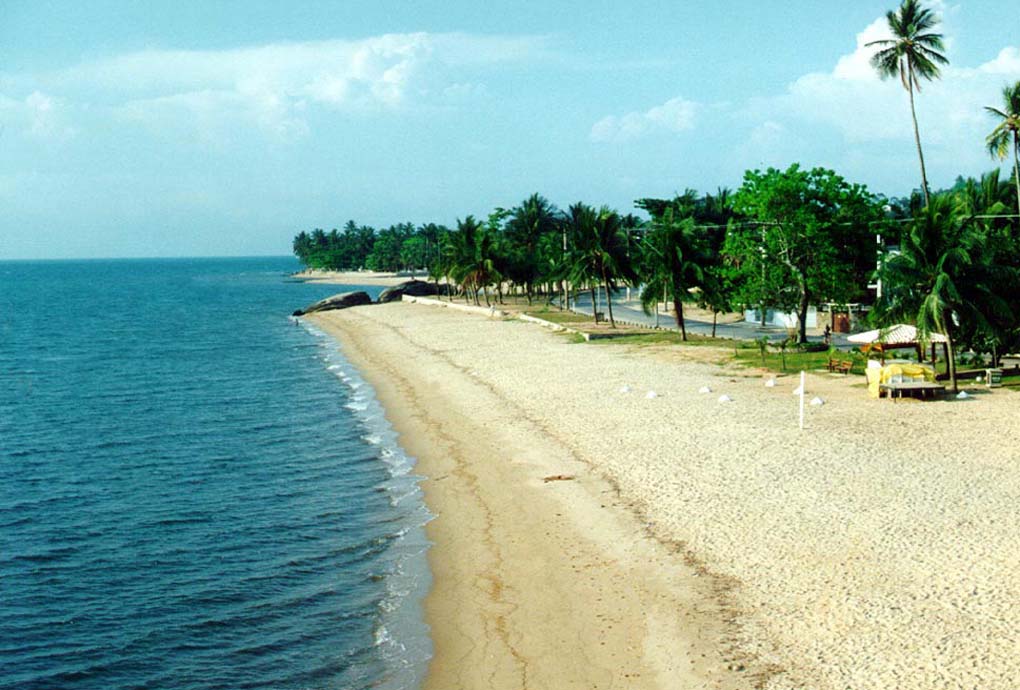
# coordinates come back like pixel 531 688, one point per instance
pixel 911 389
pixel 843 366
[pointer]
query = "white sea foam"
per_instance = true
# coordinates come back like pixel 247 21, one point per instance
pixel 401 636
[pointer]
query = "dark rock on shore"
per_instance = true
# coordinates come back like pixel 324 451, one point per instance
pixel 412 288
pixel 341 301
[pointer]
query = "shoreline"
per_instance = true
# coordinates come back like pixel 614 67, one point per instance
pixel 370 278
pixel 878 548
pixel 539 584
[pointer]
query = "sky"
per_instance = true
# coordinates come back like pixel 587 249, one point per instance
pixel 197 128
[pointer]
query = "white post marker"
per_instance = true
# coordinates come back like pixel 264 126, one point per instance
pixel 802 399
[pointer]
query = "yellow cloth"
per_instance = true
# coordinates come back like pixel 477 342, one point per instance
pixel 897 373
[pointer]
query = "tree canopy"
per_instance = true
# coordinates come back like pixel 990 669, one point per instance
pixel 805 236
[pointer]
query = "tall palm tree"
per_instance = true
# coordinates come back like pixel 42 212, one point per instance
pixel 1006 134
pixel 672 264
pixel 914 53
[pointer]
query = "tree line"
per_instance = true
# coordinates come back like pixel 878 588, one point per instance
pixel 948 260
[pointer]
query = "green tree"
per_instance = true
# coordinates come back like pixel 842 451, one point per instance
pixel 914 53
pixel 711 214
pixel 1006 135
pixel 598 251
pixel 412 253
pixel 672 258
pixel 498 248
pixel 527 224
pixel 302 247
pixel 473 257
pixel 806 236
pixel 938 278
pixel 385 254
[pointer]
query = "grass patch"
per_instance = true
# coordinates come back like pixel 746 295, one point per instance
pixel 749 355
pixel 556 316
pixel 572 338
pixel 666 337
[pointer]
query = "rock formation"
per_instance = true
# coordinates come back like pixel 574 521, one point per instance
pixel 414 288
pixel 341 301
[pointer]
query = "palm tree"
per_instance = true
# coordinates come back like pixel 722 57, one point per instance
pixel 1006 134
pixel 598 251
pixel 937 278
pixel 912 54
pixel 986 196
pixel 526 225
pixel 473 258
pixel 672 265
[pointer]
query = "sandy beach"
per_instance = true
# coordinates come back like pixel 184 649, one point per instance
pixel 353 277
pixel 693 543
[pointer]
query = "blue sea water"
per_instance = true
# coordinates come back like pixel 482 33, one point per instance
pixel 196 491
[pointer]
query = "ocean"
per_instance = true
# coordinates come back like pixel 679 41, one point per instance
pixel 197 491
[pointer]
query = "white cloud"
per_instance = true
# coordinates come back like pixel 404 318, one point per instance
pixel 857 65
pixel 863 108
pixel 38 115
pixel 673 116
pixel 1007 62
pixel 273 86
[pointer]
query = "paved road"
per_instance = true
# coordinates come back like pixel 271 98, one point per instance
pixel 631 311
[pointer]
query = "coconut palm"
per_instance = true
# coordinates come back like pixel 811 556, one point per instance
pixel 672 264
pixel 913 54
pixel 599 251
pixel 938 279
pixel 1006 135
pixel 525 227
pixel 473 258
pixel 986 196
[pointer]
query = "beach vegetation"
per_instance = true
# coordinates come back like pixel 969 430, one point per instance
pixel 804 236
pixel 944 279
pixel 947 261
pixel 599 252
pixel 777 359
pixel 528 228
pixel 672 265
pixel 473 259
pixel 680 255
pixel 658 337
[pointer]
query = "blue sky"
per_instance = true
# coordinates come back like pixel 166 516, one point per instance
pixel 224 128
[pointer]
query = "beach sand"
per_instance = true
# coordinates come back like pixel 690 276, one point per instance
pixel 353 277
pixel 700 544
